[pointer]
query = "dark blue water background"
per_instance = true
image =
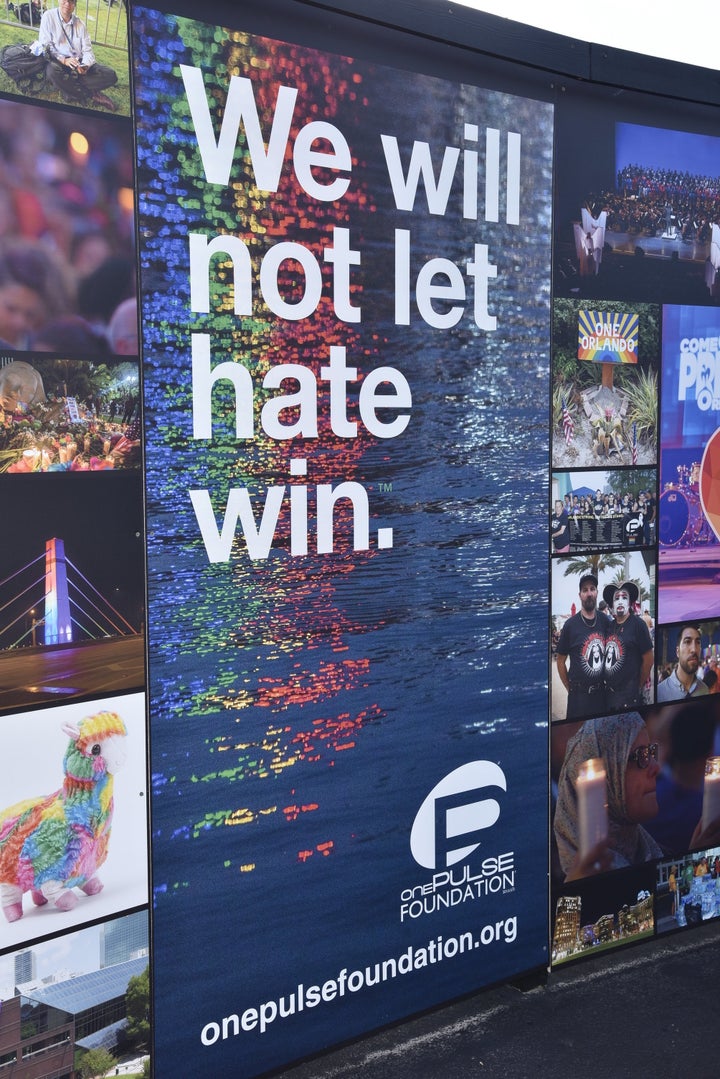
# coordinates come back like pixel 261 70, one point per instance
pixel 302 708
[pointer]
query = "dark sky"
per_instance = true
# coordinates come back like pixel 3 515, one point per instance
pixel 97 514
pixel 606 894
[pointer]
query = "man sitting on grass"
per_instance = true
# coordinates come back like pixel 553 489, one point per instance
pixel 72 68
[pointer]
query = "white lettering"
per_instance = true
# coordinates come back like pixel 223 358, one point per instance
pixel 217 156
pixel 404 187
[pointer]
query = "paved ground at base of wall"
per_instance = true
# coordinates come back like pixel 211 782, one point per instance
pixel 648 1011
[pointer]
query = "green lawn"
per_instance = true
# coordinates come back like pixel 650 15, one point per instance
pixel 117 59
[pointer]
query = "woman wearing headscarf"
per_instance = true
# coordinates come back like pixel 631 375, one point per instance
pixel 631 768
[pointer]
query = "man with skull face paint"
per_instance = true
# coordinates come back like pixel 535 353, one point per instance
pixel 628 649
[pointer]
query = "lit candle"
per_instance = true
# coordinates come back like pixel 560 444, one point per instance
pixel 711 792
pixel 591 789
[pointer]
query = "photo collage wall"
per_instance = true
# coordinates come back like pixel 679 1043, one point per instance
pixel 73 761
pixel 634 529
pixel 311 667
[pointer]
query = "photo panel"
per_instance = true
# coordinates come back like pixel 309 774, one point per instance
pixel 637 218
pixel 605 364
pixel 689 505
pixel 634 787
pixel 80 990
pixel 306 650
pixel 594 916
pixel 687 890
pixel 69 415
pixel 73 825
pixel 72 585
pixel 74 954
pixel 603 509
pixel 603 621
pixel 81 62
pixel 687 734
pixel 72 591
pixel 66 230
pixel 687 656
pixel 603 797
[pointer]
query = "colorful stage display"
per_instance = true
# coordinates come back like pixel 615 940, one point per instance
pixel 688 520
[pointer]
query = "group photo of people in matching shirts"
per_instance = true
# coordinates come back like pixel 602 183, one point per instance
pixel 582 519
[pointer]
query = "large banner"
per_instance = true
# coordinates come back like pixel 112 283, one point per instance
pixel 345 314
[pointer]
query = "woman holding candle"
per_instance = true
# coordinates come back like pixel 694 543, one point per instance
pixel 630 761
pixel 688 732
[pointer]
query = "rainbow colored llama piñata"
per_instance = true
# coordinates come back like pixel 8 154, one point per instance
pixel 52 844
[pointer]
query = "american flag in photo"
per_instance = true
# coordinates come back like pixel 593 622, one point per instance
pixel 567 421
pixel 131 435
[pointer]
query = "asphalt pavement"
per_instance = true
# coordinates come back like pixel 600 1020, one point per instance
pixel 648 1011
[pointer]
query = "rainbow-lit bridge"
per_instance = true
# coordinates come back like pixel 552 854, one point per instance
pixel 86 610
pixel 60 637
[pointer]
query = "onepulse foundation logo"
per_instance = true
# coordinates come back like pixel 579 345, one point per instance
pixel 448 825
pixel 448 828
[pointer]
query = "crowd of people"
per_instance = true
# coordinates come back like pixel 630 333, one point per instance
pixel 66 223
pixel 59 436
pixel 697 191
pixel 60 414
pixel 653 202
